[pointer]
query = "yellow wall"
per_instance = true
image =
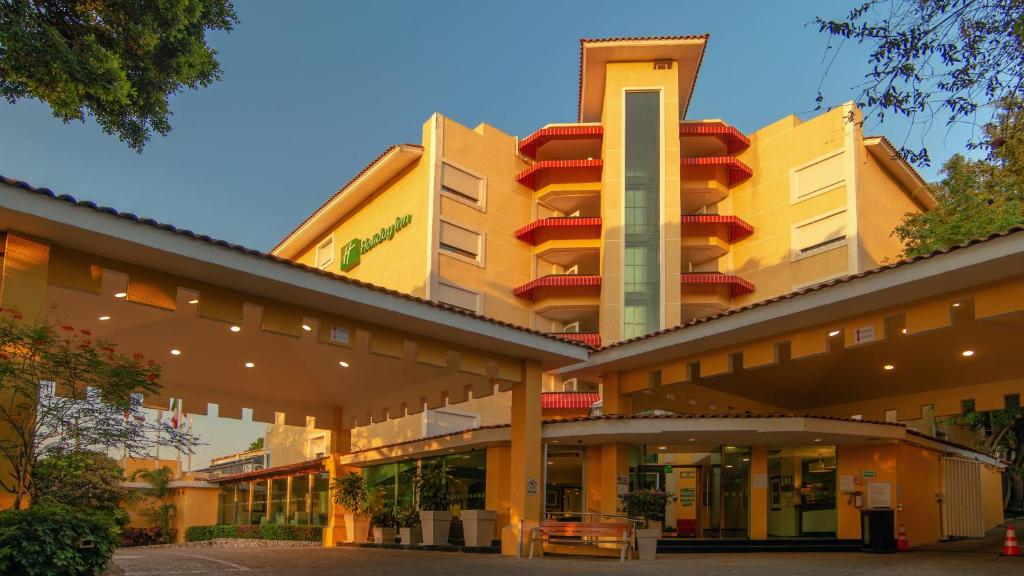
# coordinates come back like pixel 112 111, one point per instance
pixel 290 444
pixel 919 481
pixel 499 474
pixel 196 506
pixel 991 496
pixel 399 263
pixel 881 204
pixel 852 460
pixel 490 153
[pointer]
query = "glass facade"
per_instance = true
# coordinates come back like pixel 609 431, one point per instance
pixel 300 500
pixel 642 212
pixel 395 481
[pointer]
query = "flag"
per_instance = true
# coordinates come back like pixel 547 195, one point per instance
pixel 175 413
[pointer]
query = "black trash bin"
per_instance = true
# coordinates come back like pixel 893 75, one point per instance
pixel 876 529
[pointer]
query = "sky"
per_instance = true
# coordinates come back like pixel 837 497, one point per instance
pixel 312 91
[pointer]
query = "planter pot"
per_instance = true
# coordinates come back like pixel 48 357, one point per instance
pixel 647 543
pixel 356 528
pixel 435 527
pixel 410 536
pixel 383 535
pixel 478 527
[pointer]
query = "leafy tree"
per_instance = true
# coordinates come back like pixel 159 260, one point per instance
pixel 83 478
pixel 46 540
pixel 116 60
pixel 61 389
pixel 256 444
pixel 160 512
pixel 934 58
pixel 1001 432
pixel 976 197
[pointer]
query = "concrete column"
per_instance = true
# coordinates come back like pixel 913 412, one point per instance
pixel 22 288
pixel 613 401
pixel 499 472
pixel 758 494
pixel 526 488
pixel 614 467
pixel 341 444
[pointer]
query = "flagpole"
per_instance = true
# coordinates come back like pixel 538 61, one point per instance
pixel 189 442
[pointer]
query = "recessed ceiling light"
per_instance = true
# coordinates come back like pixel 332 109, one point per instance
pixel 236 328
pixel 693 439
pixel 306 327
pixel 904 331
pixel 249 365
pixel 728 465
pixel 817 439
pixel 343 364
pixel 554 441
pixel 550 462
pixel 956 304
pixel 121 295
pixel 834 333
pixel 662 447
pixel 730 447
pixel 175 352
pixel 104 317
pixel 746 459
pixel 194 301
pixel 967 353
pixel 889 367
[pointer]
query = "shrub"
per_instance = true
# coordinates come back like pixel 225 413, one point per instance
pixel 646 504
pixel 56 540
pixel 140 536
pixel 350 492
pixel 407 517
pixel 255 532
pixel 433 487
pixel 384 517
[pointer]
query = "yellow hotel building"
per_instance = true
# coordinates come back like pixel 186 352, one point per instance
pixel 636 299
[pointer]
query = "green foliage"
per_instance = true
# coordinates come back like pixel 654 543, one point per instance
pixel 116 60
pixel 256 444
pixel 646 504
pixel 934 59
pixel 407 517
pixel 432 484
pixel 141 537
pixel 56 540
pixel 258 532
pixel 350 492
pixel 159 512
pixel 84 478
pixel 385 516
pixel 976 198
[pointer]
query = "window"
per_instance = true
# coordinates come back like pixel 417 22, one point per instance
pixel 821 234
pixel 462 185
pixel 458 241
pixel 317 446
pixel 458 297
pixel 642 213
pixel 325 253
pixel 890 416
pixel 817 177
pixel 339 335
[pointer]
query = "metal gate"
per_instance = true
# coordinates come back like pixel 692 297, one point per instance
pixel 961 504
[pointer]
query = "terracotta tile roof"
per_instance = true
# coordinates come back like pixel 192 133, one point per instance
pixel 308 466
pixel 822 286
pixel 342 189
pixel 282 261
pixel 585 41
pixel 899 156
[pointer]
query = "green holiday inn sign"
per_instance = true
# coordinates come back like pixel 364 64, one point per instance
pixel 352 253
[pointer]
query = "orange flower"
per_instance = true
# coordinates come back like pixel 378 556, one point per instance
pixel 68 327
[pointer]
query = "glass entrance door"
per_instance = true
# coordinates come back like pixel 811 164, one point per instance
pixel 564 491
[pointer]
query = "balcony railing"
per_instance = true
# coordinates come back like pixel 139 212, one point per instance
pixel 737 286
pixel 734 140
pixel 738 171
pixel 585 227
pixel 528 290
pixel 528 146
pixel 528 177
pixel 737 228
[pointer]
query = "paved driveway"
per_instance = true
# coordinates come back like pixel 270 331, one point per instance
pixel 965 558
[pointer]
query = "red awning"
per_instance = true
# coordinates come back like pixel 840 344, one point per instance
pixel 738 229
pixel 591 339
pixel 528 146
pixel 528 177
pixel 589 225
pixel 738 171
pixel 556 280
pixel 735 141
pixel 737 286
pixel 568 400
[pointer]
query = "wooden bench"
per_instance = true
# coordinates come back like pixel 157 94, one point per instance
pixel 583 533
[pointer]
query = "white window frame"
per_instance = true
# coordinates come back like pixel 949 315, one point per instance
pixel 309 445
pixel 796 254
pixel 793 198
pixel 319 245
pixel 481 205
pixel 481 249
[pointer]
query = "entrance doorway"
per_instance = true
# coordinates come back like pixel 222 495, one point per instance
pixel 564 490
pixel 802 492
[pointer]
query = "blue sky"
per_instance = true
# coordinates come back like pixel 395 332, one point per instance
pixel 314 91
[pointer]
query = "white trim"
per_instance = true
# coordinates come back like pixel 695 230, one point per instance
pixel 482 204
pixel 793 198
pixel 852 187
pixel 316 251
pixel 481 250
pixel 794 251
pixel 433 204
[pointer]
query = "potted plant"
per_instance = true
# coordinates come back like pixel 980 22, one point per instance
pixel 383 522
pixel 408 521
pixel 350 494
pixel 649 506
pixel 432 484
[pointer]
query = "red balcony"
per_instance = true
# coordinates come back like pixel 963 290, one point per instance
pixel 706 224
pixel 734 140
pixel 737 286
pixel 738 171
pixel 561 228
pixel 591 339
pixel 528 177
pixel 568 400
pixel 528 146
pixel 529 289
